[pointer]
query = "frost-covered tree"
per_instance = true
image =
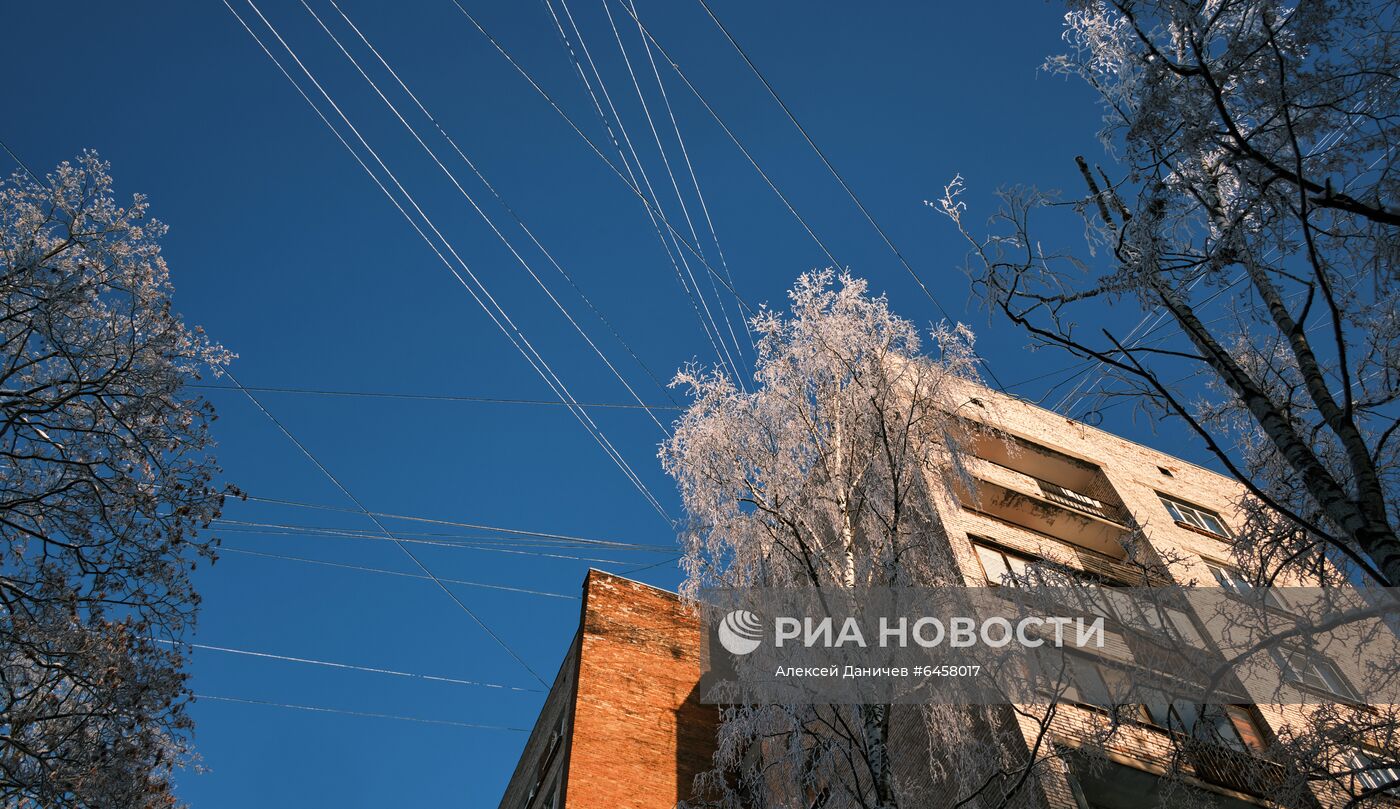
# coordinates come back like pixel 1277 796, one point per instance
pixel 1249 212
pixel 825 475
pixel 1253 207
pixel 105 478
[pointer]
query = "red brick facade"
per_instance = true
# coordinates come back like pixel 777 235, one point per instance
pixel 634 734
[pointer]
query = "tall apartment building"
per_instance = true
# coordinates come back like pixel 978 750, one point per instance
pixel 623 727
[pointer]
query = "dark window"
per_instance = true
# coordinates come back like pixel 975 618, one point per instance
pixel 1215 724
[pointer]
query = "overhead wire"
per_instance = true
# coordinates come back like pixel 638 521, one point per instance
pixel 20 163
pixel 632 570
pixel 509 209
pixel 484 540
pixel 366 714
pixel 700 307
pixel 704 102
pixel 435 397
pixel 532 356
pixel 694 181
pixel 479 292
pixel 1328 141
pixel 367 569
pixel 675 187
pixel 402 547
pixel 631 186
pixel 453 523
pixel 350 666
pixel 428 575
pixel 850 192
pixel 402 540
pixel 470 199
pixel 1096 406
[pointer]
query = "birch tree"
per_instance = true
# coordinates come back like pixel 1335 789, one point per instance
pixel 105 478
pixel 825 475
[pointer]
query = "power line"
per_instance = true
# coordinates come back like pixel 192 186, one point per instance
pixel 632 570
pixel 437 398
pixel 532 356
pixel 1079 367
pixel 834 173
pixel 351 497
pixel 530 270
pixel 675 187
pixel 454 523
pixel 400 540
pixel 518 219
pixel 465 540
pixel 382 571
pixel 655 204
pixel 594 147
pixel 434 397
pixel 350 666
pixel 425 570
pixel 366 714
pixel 475 288
pixel 695 182
pixel 734 138
pixel 21 163
pixel 487 540
pixel 1329 140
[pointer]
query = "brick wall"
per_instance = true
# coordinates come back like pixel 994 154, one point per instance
pixel 639 733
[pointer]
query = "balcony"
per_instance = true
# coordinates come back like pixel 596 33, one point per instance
pixel 1049 507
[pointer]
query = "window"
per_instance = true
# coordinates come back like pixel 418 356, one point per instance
pixel 1000 567
pixel 1099 785
pixel 1314 671
pixel 1371 775
pixel 1195 517
pixel 551 797
pixel 1234 583
pixel 1214 724
pixel 1229 726
pixel 1091 683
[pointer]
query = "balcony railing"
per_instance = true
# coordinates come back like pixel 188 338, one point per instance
pixel 1069 498
pixel 1233 769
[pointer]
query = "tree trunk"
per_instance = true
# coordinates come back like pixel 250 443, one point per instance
pixel 875 726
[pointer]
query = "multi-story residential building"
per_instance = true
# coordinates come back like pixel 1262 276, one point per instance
pixel 623 726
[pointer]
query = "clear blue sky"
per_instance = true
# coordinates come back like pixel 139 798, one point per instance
pixel 284 251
